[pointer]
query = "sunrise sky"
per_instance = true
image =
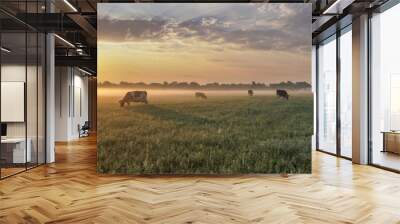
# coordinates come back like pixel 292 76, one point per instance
pixel 226 43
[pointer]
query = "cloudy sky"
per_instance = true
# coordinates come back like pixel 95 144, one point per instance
pixel 227 43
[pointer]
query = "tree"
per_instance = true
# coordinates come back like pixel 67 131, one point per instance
pixel 194 84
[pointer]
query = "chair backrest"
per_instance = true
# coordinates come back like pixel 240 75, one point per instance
pixel 86 125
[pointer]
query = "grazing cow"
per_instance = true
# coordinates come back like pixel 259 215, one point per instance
pixel 282 93
pixel 200 95
pixel 134 96
pixel 250 92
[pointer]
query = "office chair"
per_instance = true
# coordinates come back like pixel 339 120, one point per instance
pixel 84 130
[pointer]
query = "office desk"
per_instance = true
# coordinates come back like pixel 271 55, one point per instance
pixel 391 141
pixel 13 150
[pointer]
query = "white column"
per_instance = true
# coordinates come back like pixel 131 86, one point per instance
pixel 50 99
pixel 360 90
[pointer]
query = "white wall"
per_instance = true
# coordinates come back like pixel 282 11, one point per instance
pixel 62 82
pixel 80 111
pixel 71 94
pixel 16 73
pixel 33 126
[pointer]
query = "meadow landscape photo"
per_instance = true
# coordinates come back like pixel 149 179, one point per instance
pixel 206 89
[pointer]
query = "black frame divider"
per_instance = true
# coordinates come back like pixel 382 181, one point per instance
pixel 369 96
pixel 37 92
pixel 316 97
pixel 26 88
pixel 338 76
pixel 1 53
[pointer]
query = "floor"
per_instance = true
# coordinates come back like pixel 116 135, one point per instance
pixel 5 172
pixel 70 191
pixel 10 171
pixel 387 159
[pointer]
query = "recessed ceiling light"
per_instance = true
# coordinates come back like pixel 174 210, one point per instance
pixel 64 40
pixel 5 50
pixel 337 7
pixel 70 5
pixel 84 71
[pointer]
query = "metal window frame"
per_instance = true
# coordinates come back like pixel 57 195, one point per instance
pixel 387 5
pixel 381 9
pixel 339 32
pixel 44 105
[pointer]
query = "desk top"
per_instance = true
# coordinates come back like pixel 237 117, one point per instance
pixel 391 132
pixel 13 140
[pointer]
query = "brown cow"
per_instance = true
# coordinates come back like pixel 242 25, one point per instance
pixel 282 93
pixel 200 95
pixel 134 96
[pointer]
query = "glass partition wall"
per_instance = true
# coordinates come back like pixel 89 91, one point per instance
pixel 13 89
pixel 327 95
pixel 345 61
pixel 385 89
pixel 22 97
pixel 334 104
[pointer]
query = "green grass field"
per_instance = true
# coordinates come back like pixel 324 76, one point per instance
pixel 225 134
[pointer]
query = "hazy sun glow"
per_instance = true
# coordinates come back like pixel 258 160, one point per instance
pixel 235 43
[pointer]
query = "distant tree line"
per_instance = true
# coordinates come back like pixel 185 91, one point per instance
pixel 207 86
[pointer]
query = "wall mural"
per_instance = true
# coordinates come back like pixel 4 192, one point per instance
pixel 204 88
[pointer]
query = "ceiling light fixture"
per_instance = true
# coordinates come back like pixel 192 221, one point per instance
pixel 337 7
pixel 79 51
pixel 70 5
pixel 84 71
pixel 64 40
pixel 5 50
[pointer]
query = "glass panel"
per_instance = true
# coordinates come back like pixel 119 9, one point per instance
pixel 13 86
pixel 385 84
pixel 31 88
pixel 23 90
pixel 327 96
pixel 31 98
pixel 346 93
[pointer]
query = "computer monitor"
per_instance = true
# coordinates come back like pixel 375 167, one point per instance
pixel 3 129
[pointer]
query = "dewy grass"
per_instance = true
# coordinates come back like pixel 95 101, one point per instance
pixel 220 135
